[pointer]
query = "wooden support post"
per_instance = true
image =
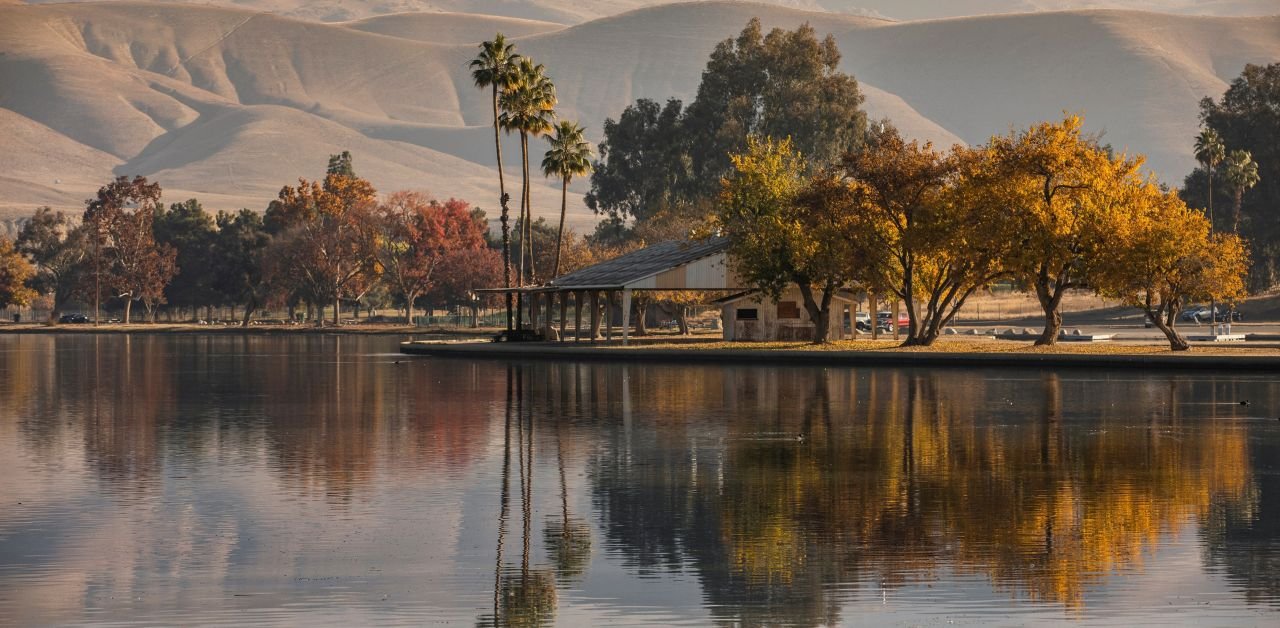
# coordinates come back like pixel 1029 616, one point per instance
pixel 533 299
pixel 626 315
pixel 577 315
pixel 854 315
pixel 564 313
pixel 595 315
pixel 549 312
pixel 608 316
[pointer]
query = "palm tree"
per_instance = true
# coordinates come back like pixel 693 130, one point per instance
pixel 1210 152
pixel 495 68
pixel 528 107
pixel 570 155
pixel 1242 173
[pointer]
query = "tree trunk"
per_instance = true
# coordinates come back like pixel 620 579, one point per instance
pixel 682 319
pixel 1166 325
pixel 1235 214
pixel 248 313
pixel 408 307
pixel 819 314
pixel 564 205
pixel 1051 304
pixel 337 307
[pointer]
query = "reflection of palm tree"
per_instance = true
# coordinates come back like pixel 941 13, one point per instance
pixel 505 500
pixel 567 540
pixel 526 598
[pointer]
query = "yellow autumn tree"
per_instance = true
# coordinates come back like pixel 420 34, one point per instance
pixel 15 271
pixel 925 227
pixel 1161 255
pixel 779 233
pixel 1055 186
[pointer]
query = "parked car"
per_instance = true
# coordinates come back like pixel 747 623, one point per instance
pixel 1200 314
pixel 73 319
pixel 885 319
pixel 1195 314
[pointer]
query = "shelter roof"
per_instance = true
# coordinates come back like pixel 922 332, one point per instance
pixel 638 265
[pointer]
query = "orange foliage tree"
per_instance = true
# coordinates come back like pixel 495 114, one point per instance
pixel 125 256
pixel 15 270
pixel 323 239
pixel 414 235
pixel 1162 255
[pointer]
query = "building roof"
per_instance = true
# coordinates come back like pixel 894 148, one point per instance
pixel 841 294
pixel 628 269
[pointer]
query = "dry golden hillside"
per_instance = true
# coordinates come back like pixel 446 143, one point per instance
pixel 229 104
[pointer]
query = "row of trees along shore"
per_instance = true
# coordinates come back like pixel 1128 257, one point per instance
pixel 319 243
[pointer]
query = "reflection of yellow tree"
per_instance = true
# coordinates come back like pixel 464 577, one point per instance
pixel 920 472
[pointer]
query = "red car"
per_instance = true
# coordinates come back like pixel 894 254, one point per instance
pixel 884 319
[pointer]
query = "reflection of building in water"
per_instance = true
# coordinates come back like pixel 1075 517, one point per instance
pixel 813 479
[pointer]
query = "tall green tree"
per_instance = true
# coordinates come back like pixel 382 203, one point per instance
pixel 190 231
pixel 60 252
pixel 644 166
pixel 496 68
pixel 528 107
pixel 786 84
pixel 569 156
pixel 342 164
pixel 1247 117
pixel 1241 173
pixel 238 246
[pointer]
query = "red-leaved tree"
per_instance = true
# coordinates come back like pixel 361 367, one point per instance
pixel 126 259
pixel 414 235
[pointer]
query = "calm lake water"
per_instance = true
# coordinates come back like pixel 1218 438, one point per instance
pixel 311 480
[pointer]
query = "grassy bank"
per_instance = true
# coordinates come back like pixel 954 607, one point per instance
pixel 866 353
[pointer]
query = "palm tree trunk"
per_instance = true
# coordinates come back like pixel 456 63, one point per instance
pixel 520 273
pixel 564 203
pixel 524 219
pixel 1235 216
pixel 502 196
pixel 528 208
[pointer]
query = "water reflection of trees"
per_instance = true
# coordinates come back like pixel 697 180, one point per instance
pixel 826 478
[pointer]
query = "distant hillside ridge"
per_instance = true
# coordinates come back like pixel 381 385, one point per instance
pixel 231 104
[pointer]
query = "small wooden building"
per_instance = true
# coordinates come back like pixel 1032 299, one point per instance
pixel 752 316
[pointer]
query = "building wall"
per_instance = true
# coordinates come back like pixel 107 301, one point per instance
pixel 770 325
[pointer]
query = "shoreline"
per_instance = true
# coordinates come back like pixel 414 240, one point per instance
pixel 252 330
pixel 1269 362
